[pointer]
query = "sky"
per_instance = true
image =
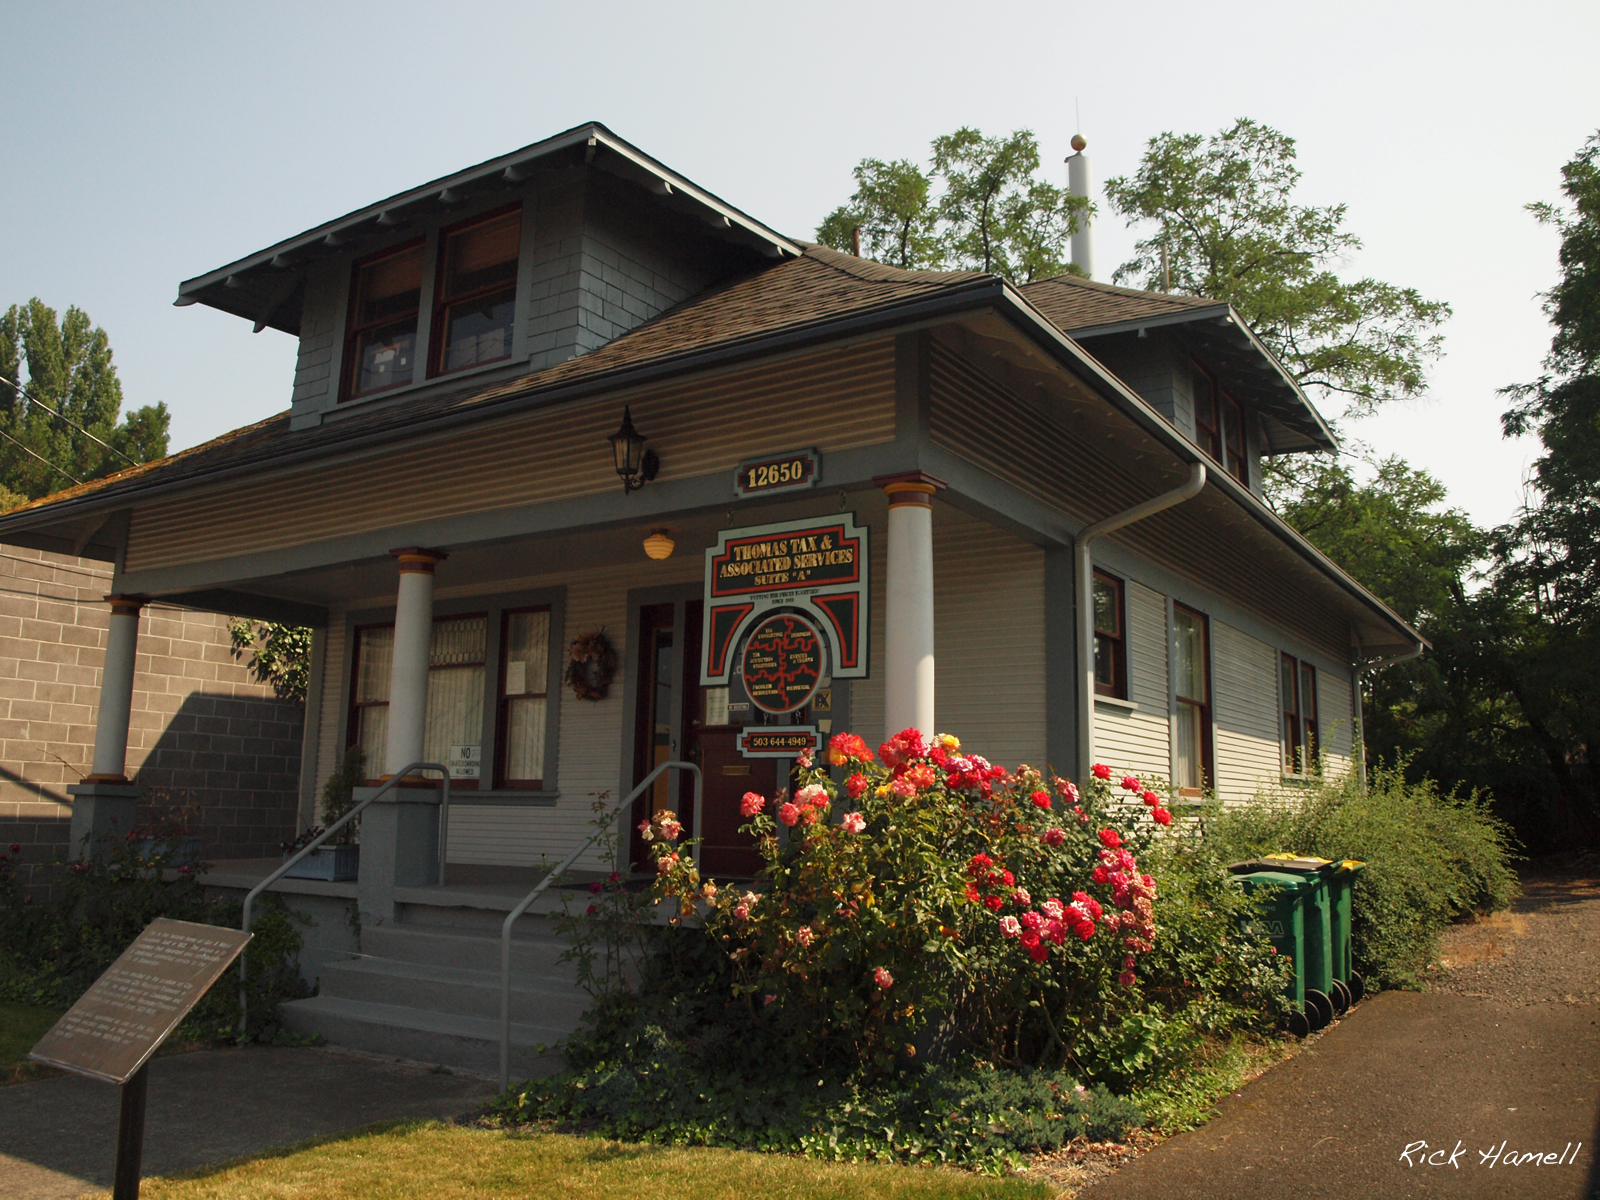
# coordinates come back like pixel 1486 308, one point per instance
pixel 149 143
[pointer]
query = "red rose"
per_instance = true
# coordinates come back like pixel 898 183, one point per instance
pixel 1130 784
pixel 1101 771
pixel 1054 837
pixel 972 893
pixel 1109 839
pixel 1162 816
pixel 1100 875
pixel 1152 799
pixel 1040 799
pixel 994 903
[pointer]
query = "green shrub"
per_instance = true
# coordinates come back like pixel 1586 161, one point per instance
pixel 50 952
pixel 1431 857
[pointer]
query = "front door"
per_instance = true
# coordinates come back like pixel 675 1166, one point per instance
pixel 677 715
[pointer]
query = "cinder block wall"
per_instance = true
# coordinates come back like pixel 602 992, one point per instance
pixel 204 738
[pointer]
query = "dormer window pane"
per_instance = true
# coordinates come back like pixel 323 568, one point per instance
pixel 477 292
pixel 385 297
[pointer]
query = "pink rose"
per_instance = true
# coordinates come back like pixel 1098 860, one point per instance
pixel 751 804
pixel 670 829
pixel 805 760
pixel 1052 909
pixel 1010 926
pixel 646 832
pixel 1068 790
pixel 1021 897
pixel 803 935
pixel 741 911
pixel 854 822
pixel 882 978
pixel 666 863
pixel 813 795
pixel 789 813
pixel 903 788
pixel 1126 979
pixel 768 998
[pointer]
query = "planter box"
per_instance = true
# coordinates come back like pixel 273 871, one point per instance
pixel 336 864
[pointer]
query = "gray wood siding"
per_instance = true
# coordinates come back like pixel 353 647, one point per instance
pixel 989 639
pixel 320 327
pixel 699 427
pixel 1337 715
pixel 1244 680
pixel 1140 740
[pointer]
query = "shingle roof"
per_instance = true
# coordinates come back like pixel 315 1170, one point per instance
pixel 823 285
pixel 1074 303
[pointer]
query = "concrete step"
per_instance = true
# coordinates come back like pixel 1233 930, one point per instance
pixel 534 951
pixel 543 997
pixel 397 1031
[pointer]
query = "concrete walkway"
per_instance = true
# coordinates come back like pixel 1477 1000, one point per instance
pixel 58 1136
pixel 1503 1054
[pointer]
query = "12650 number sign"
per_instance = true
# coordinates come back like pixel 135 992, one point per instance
pixel 780 473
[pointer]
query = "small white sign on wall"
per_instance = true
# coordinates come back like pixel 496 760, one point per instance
pixel 516 677
pixel 464 761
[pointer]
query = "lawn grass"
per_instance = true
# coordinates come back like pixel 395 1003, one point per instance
pixel 21 1027
pixel 413 1160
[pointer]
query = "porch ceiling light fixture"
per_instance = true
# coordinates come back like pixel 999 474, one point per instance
pixel 658 545
pixel 635 464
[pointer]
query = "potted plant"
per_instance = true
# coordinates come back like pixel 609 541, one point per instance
pixel 339 859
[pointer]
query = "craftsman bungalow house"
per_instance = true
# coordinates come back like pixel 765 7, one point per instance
pixel 1028 516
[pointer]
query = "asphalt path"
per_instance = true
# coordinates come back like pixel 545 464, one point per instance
pixel 58 1136
pixel 1487 1085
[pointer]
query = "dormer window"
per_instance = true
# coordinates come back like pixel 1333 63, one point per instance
pixel 1219 425
pixel 477 291
pixel 381 336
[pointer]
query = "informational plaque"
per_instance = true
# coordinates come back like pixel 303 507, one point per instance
pixel 129 1011
pixel 782 663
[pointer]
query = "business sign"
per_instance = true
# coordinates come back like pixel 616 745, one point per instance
pixel 816 568
pixel 777 741
pixel 782 663
pixel 778 473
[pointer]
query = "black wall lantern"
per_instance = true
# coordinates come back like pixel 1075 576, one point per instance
pixel 635 464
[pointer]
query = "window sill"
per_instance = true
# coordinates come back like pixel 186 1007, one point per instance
pixel 441 382
pixel 1115 702
pixel 506 797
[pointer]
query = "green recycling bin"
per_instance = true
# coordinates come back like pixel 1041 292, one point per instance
pixel 1322 990
pixel 1284 916
pixel 1341 890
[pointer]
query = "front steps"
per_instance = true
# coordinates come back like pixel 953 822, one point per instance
pixel 428 988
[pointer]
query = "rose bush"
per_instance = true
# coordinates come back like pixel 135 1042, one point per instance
pixel 923 884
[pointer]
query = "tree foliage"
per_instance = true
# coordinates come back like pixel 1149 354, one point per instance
pixel 989 211
pixel 1227 223
pixel 279 655
pixel 70 370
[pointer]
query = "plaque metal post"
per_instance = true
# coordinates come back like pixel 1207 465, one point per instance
pixel 130 1136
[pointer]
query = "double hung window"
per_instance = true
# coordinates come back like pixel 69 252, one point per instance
pixel 381 330
pixel 1192 662
pixel 1219 425
pixel 523 697
pixel 477 292
pixel 1298 685
pixel 1110 638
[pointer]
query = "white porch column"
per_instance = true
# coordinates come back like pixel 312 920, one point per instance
pixel 116 691
pixel 105 804
pixel 908 680
pixel 413 643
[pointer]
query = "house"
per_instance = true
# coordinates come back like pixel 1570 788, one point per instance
pixel 568 397
pixel 208 745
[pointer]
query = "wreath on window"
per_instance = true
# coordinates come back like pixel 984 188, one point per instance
pixel 591 665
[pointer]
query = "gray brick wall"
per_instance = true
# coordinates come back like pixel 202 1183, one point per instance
pixel 204 738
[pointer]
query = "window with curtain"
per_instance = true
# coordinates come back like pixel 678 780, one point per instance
pixel 1298 685
pixel 524 697
pixel 1110 639
pixel 453 728
pixel 1192 680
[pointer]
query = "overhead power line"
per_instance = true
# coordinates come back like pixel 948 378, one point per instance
pixel 32 399
pixel 40 457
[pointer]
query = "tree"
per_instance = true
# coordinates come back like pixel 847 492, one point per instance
pixel 1227 227
pixel 280 655
pixel 69 370
pixel 1549 558
pixel 991 214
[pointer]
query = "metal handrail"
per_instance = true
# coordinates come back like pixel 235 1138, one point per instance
pixel 394 782
pixel 511 918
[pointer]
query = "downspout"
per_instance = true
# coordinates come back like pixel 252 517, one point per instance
pixel 1361 668
pixel 1085 581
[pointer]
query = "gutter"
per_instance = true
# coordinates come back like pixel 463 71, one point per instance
pixel 1083 546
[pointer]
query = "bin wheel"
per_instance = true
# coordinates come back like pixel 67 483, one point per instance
pixel 1358 988
pixel 1319 1004
pixel 1298 1025
pixel 1341 997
